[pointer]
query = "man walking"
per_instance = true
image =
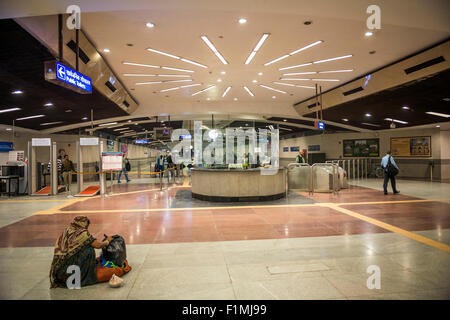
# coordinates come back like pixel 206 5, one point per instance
pixel 125 162
pixel 390 169
pixel 67 168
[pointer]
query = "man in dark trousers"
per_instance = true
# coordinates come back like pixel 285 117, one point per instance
pixel 385 163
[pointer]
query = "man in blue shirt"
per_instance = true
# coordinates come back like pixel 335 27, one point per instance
pixel 384 163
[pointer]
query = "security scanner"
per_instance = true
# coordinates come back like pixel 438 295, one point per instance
pixel 90 190
pixel 17 173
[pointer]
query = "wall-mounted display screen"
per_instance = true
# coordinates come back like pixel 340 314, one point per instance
pixel 163 133
pixel 411 147
pixel 361 148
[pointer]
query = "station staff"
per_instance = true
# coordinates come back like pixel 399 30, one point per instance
pixel 301 157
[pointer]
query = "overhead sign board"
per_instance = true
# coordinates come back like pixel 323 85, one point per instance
pixel 6 146
pixel 41 142
pixel 88 141
pixel 141 141
pixel 64 76
pixel 321 125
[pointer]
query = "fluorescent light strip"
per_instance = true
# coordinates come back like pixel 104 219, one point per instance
pixel 170 89
pixel 153 82
pixel 32 117
pixel 332 59
pixel 206 89
pixel 439 114
pixel 370 124
pixel 293 85
pixel 9 110
pixel 296 66
pixel 163 53
pixel 50 123
pixel 299 73
pixel 249 92
pixel 226 91
pixel 394 120
pixel 193 62
pixel 335 71
pixel 190 85
pixel 121 129
pixel 325 80
pixel 140 65
pixel 175 75
pixel 270 88
pixel 294 52
pixel 170 81
pixel 138 75
pixel 176 69
pixel 258 45
pixel 156 75
pixel 295 79
pixel 107 124
pixel 213 49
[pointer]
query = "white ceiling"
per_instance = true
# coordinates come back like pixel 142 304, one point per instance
pixel 407 27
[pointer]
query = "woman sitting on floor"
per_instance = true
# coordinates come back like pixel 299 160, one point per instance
pixel 75 246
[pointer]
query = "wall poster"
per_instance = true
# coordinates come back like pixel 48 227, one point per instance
pixel 411 147
pixel 361 148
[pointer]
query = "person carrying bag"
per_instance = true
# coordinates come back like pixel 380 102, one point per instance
pixel 390 169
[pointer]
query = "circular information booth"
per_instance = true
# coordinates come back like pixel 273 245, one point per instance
pixel 233 185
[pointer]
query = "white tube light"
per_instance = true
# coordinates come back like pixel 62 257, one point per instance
pixel 325 80
pixel 249 92
pixel 332 59
pixel 295 79
pixel 203 90
pixel 9 110
pixel 107 124
pixel 334 71
pixel 270 88
pixel 298 73
pixel 32 117
pixel 50 123
pixel 394 120
pixel 277 59
pixel 175 75
pixel 193 62
pixel 439 114
pixel 294 52
pixel 121 129
pixel 170 89
pixel 186 80
pixel 163 53
pixel 258 45
pixel 226 91
pixel 140 65
pixel 293 85
pixel 138 75
pixel 213 49
pixel 296 66
pixel 152 82
pixel 190 85
pixel 176 69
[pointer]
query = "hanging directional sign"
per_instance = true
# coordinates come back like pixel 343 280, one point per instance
pixel 62 75
pixel 321 125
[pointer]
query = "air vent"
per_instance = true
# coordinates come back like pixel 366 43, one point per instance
pixel 125 103
pixel 313 105
pixel 110 86
pixel 83 56
pixel 425 64
pixel 349 92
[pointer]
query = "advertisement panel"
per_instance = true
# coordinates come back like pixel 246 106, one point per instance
pixel 361 148
pixel 411 146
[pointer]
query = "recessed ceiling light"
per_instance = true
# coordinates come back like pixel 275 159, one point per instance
pixel 332 59
pixel 368 115
pixel 446 99
pixel 249 92
pixel 219 80
pixel 254 81
pixel 203 90
pixel 32 117
pixel 270 88
pixel 438 126
pixel 17 92
pixel 226 91
pixel 394 120
pixel 294 52
pixel 242 20
pixel 213 49
pixel 346 120
pixel 106 50
pixel 273 97
pixel 84 118
pixel 260 73
pixel 296 66
pixel 439 114
pixel 9 110
pixel 334 71
pixel 48 104
pixel 368 33
pixel 284 120
pixel 222 72
pixel 307 22
pixel 258 45
pixel 405 108
pixel 50 123
pixel 149 25
pixel 68 110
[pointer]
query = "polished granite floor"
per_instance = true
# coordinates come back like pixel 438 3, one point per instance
pixel 318 247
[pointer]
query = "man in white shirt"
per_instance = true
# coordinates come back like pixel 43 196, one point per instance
pixel 384 163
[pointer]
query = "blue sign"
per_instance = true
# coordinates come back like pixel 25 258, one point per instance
pixel 186 136
pixel 141 141
pixel 73 77
pixel 315 147
pixel 321 125
pixel 6 146
pixel 293 149
pixel 285 149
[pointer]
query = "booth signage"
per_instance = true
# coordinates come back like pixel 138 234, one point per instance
pixel 88 141
pixel 112 161
pixel 41 142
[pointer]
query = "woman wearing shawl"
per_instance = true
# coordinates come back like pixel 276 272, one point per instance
pixel 75 246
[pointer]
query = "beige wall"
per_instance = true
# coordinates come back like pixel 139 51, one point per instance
pixel 445 155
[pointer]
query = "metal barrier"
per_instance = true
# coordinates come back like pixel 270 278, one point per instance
pixel 294 183
pixel 334 179
pixel 356 168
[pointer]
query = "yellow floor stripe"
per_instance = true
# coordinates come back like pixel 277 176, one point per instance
pixel 44 200
pixel 405 233
pixel 392 201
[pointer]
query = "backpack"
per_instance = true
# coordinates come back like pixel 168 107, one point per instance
pixel 116 251
pixel 391 170
pixel 127 165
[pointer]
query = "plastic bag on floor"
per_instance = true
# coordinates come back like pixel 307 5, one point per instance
pixel 116 251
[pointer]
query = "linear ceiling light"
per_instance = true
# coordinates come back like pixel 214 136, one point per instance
pixel 439 114
pixel 170 89
pixel 334 71
pixel 295 79
pixel 299 73
pixel 170 81
pixel 138 75
pixel 50 123
pixel 332 59
pixel 213 49
pixel 140 65
pixel 325 80
pixel 203 90
pixel 151 82
pixel 394 120
pixel 296 66
pixel 121 129
pixel 249 92
pixel 175 75
pixel 258 45
pixel 270 88
pixel 226 91
pixel 176 57
pixel 294 52
pixel 293 85
pixel 370 124
pixel 107 124
pixel 176 69
pixel 32 117
pixel 190 85
pixel 9 110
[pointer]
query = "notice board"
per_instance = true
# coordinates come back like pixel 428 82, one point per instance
pixel 361 148
pixel 411 146
pixel 112 161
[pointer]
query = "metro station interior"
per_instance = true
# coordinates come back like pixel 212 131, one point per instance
pixel 236 148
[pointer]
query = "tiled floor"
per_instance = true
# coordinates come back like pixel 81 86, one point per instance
pixel 284 250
